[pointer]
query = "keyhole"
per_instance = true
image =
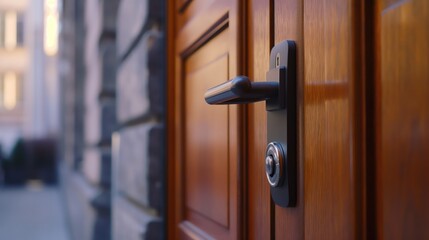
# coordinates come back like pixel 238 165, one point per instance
pixel 270 165
pixel 278 60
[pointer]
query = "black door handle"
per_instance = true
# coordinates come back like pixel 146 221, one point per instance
pixel 240 90
pixel 279 92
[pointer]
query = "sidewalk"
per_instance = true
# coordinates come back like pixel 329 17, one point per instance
pixel 32 213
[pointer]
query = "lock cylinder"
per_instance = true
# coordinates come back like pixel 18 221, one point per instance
pixel 274 160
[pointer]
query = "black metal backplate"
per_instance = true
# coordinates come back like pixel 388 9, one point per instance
pixel 281 121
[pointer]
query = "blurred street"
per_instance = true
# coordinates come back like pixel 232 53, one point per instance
pixel 33 212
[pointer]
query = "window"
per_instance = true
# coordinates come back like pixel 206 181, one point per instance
pixel 51 27
pixel 11 29
pixel 10 94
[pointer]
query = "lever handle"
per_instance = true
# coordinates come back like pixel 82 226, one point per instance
pixel 240 90
pixel 279 93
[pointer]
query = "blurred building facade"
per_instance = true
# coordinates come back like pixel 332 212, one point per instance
pixel 29 102
pixel 112 71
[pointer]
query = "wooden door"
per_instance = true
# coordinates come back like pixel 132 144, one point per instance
pixel 362 121
pixel 206 141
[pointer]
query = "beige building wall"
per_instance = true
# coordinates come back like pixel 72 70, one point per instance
pixel 36 112
pixel 13 60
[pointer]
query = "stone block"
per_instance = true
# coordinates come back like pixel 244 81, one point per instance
pixel 92 128
pixel 106 167
pixel 108 66
pixel 108 121
pixel 92 23
pixel 96 166
pixel 102 205
pixel 157 167
pixel 146 15
pixel 133 80
pixel 132 15
pixel 155 230
pixel 157 65
pixel 132 222
pixel 91 165
pixel 78 194
pixel 139 172
pixel 109 11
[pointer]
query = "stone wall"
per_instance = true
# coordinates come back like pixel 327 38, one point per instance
pixel 72 75
pixel 113 74
pixel 88 56
pixel 139 184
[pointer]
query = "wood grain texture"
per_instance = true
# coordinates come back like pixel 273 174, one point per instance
pixel 329 161
pixel 289 222
pixel 200 24
pixel 187 9
pixel 206 162
pixel 209 165
pixel 391 3
pixel 403 153
pixel 207 144
pixel 259 213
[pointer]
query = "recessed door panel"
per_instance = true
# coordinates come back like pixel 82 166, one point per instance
pixel 209 168
pixel 206 129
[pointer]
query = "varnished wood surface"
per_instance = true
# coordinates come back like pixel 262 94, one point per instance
pixel 207 144
pixel 328 137
pixel 333 78
pixel 187 10
pixel 200 23
pixel 206 160
pixel 209 164
pixel 403 131
pixel 289 222
pixel 259 208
